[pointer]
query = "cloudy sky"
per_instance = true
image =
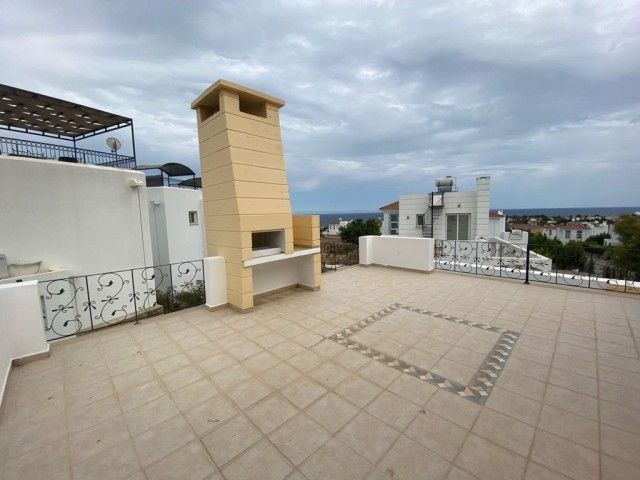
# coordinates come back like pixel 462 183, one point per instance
pixel 382 97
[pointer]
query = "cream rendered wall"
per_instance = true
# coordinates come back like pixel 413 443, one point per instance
pixel 82 218
pixel 396 251
pixel 173 238
pixel 457 202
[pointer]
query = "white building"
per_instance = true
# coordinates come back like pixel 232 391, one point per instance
pixel 576 232
pixel 67 219
pixel 447 214
pixel 334 227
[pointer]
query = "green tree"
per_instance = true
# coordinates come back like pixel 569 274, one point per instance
pixel 626 256
pixel 570 256
pixel 358 228
pixel 595 243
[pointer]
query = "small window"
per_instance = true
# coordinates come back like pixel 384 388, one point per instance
pixel 579 234
pixel 420 220
pixel 567 234
pixel 193 217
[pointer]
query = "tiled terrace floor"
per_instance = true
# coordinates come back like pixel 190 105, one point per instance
pixel 269 395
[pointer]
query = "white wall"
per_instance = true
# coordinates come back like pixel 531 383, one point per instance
pixel 82 218
pixel 497 226
pixel 395 251
pixel 173 238
pixel 270 276
pixel 21 328
pixel 410 206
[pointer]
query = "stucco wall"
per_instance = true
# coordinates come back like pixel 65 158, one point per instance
pixel 21 328
pixel 397 251
pixel 83 218
pixel 173 238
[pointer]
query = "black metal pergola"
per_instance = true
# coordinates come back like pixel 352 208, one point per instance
pixel 171 170
pixel 36 114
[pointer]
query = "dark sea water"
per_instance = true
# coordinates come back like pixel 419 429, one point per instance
pixel 326 218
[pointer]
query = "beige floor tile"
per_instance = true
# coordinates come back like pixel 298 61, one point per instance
pixel 133 378
pixel 379 373
pixel 527 386
pixel 162 439
pixel 331 412
pixel 329 374
pixel 614 469
pixel 260 362
pixel 453 408
pixel 358 391
pixel 230 439
pixel 215 363
pixel 230 376
pixel 298 438
pixel 181 378
pixel 150 414
pixel 569 425
pixel 249 392
pixel 84 395
pixel 41 463
pixel 566 457
pixel 437 434
pixel 194 393
pixel 162 352
pixel 271 412
pixel 337 461
pixel 93 414
pixel 136 396
pixel 409 460
pixel 620 444
pixel 116 463
pixel 260 462
pixel 171 364
pixel 575 402
pixel 190 462
pixel 210 414
pixel 621 417
pixel 368 436
pixel 413 389
pixel 514 405
pixel 489 461
pixel 280 375
pixel 303 392
pixel 573 381
pixel 504 431
pixel 538 472
pixel 393 410
pixel 95 440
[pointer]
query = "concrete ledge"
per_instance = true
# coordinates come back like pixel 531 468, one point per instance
pixel 410 253
pixel 16 362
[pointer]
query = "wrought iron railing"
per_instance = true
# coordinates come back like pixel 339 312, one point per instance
pixel 80 304
pixel 31 149
pixel 334 255
pixel 540 263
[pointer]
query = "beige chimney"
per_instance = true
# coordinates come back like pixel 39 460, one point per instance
pixel 246 197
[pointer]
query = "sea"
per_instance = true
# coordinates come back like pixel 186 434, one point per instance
pixel 326 218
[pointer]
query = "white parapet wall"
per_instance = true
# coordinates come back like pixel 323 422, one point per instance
pixel 21 327
pixel 402 252
pixel 215 282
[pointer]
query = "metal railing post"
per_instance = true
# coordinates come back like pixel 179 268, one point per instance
pixel 455 254
pixel 135 303
pixel 500 261
pixel 171 287
pixel 527 265
pixel 86 282
pixel 591 266
pixel 477 246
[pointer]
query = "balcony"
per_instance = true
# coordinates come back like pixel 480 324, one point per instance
pixel 32 113
pixel 383 373
pixel 31 149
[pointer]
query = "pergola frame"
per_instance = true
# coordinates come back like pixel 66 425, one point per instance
pixel 36 114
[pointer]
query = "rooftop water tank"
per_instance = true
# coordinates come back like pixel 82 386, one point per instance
pixel 445 184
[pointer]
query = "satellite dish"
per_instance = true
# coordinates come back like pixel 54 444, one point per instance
pixel 114 144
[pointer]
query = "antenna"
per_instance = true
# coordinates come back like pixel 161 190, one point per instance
pixel 114 144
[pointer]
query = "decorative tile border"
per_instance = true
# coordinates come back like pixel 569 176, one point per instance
pixel 481 384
